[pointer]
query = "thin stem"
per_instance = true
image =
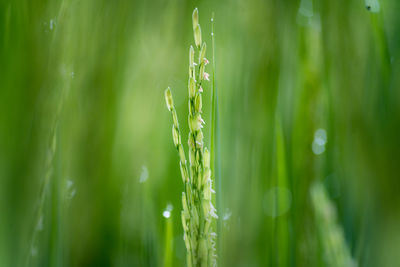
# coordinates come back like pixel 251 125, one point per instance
pixel 215 158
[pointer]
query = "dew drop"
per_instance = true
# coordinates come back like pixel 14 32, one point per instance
pixel 144 175
pixel 51 24
pixel 166 214
pixel 320 139
pixel 34 251
pixel 227 215
pixel 39 226
pixel 372 6
pixel 71 191
pixel 317 148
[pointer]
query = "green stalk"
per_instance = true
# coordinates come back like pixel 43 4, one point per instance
pixel 168 249
pixel 213 101
pixel 336 252
pixel 215 156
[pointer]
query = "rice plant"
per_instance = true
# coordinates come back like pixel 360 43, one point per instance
pixel 198 210
pixel 87 167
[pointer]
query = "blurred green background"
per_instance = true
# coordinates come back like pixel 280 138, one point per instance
pixel 308 96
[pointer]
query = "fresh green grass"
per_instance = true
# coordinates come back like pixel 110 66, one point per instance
pixel 283 75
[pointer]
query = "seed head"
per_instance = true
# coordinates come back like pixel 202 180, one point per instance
pixel 202 54
pixel 201 71
pixel 192 87
pixel 175 118
pixel 195 123
pixel 187 242
pixel 168 99
pixel 195 18
pixel 206 207
pixel 184 204
pixel 197 36
pixel 207 226
pixel 198 212
pixel 191 72
pixel 192 157
pixel 195 216
pixel 191 141
pixel 206 158
pixel 199 139
pixel 182 155
pixel 198 103
pixel 207 193
pixel 184 172
pixel 191 56
pixel 185 228
pixel 175 136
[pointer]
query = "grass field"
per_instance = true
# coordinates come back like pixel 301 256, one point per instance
pixel 306 140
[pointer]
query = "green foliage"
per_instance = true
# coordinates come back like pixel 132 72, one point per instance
pixel 307 94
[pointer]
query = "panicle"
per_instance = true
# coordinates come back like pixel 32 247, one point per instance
pixel 198 211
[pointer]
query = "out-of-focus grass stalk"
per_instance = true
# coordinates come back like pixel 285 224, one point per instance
pixel 281 230
pixel 335 250
pixel 53 185
pixel 377 23
pixel 56 216
pixel 168 249
pixel 39 216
